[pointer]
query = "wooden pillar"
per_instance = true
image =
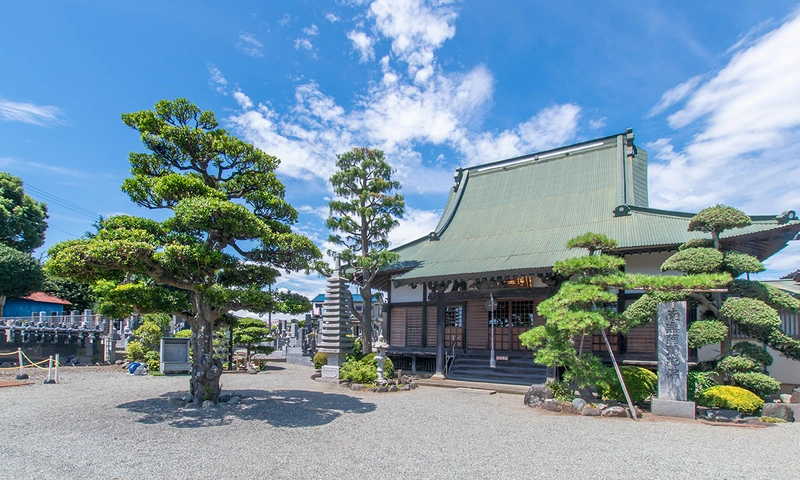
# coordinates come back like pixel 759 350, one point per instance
pixel 440 309
pixel 425 341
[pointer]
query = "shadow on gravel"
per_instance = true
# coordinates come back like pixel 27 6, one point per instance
pixel 279 408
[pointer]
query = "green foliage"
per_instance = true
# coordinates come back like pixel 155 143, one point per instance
pixel 388 365
pixel 365 370
pixel 754 352
pixel 753 316
pixel 592 265
pixel 718 219
pixel 149 335
pixel 736 364
pixel 592 242
pixel 771 420
pixel 697 243
pixel 641 384
pixel 78 294
pixel 366 208
pixel 20 274
pixel 737 263
pixel 759 383
pixel 666 284
pixel 183 334
pixel 320 359
pixel 694 261
pixel 730 397
pixel 135 352
pixel 22 219
pixel 698 381
pixel 248 332
pixel 152 360
pixel 768 294
pixel 706 332
pixel 561 391
pixel 645 308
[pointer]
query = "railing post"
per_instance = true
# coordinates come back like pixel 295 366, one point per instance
pixel 49 372
pixel 21 375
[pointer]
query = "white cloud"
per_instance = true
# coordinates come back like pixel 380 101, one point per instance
pixel 242 99
pixel 550 128
pixel 303 43
pixel 249 45
pixel 675 95
pixel 6 162
pixel 285 20
pixel 320 212
pixel 415 224
pixel 598 123
pixel 363 44
pixel 30 113
pixel 312 30
pixel 415 28
pixel 331 18
pixel 216 79
pixel 748 123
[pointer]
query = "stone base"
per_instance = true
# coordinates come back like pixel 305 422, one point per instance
pixel 673 408
pixel 327 380
pixel 330 373
pixel 176 367
pixel 438 376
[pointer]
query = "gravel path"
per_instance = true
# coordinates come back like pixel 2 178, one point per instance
pixel 99 423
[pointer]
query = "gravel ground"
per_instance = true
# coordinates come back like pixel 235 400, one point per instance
pixel 100 423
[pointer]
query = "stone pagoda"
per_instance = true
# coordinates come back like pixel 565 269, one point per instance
pixel 335 327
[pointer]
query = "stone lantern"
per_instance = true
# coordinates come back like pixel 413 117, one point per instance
pixel 380 347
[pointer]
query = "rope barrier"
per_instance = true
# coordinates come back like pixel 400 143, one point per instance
pixel 28 365
pixel 9 353
pixel 35 364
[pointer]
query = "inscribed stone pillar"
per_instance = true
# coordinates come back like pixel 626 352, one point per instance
pixel 335 327
pixel 673 366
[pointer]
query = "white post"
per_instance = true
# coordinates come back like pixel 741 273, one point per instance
pixel 50 372
pixel 21 375
pixel 58 360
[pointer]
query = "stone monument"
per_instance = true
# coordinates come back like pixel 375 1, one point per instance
pixel 335 327
pixel 673 366
pixel 174 355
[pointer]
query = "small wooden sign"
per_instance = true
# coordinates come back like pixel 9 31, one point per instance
pixel 501 358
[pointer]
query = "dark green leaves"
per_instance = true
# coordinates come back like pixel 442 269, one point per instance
pixel 717 219
pixel 20 274
pixel 706 332
pixel 694 261
pixel 592 242
pixel 22 219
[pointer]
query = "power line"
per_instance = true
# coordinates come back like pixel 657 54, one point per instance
pixel 49 197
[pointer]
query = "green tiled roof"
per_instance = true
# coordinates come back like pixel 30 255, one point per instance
pixel 515 216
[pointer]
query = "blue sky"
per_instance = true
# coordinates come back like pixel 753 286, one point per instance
pixel 710 88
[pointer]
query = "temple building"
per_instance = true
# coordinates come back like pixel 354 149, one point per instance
pixel 504 226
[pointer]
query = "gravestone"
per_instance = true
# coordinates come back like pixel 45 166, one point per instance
pixel 175 355
pixel 673 366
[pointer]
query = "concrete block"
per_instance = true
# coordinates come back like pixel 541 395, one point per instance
pixel 673 408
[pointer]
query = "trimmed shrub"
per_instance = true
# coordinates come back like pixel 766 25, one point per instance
pixel 153 361
pixel 706 332
pixel 183 334
pixel 698 381
pixel 718 218
pixel 694 261
pixel 561 391
pixel 753 316
pixel 727 396
pixel 697 243
pixel 641 384
pixel 135 352
pixel 754 352
pixel 320 359
pixel 365 370
pixel 737 263
pixel 761 384
pixel 735 363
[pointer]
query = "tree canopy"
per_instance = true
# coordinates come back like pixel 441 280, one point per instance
pixel 22 219
pixel 20 274
pixel 229 235
pixel 367 206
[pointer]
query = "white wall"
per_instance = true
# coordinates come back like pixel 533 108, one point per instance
pixel 405 293
pixel 647 263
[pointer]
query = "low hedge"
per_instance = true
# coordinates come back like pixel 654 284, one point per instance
pixel 320 359
pixel 730 397
pixel 641 383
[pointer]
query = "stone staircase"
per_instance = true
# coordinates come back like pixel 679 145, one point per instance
pixel 518 370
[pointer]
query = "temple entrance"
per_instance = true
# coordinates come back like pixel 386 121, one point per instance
pixel 511 317
pixel 454 327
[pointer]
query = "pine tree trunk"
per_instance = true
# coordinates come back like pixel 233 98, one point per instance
pixel 366 320
pixel 2 304
pixel 206 370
